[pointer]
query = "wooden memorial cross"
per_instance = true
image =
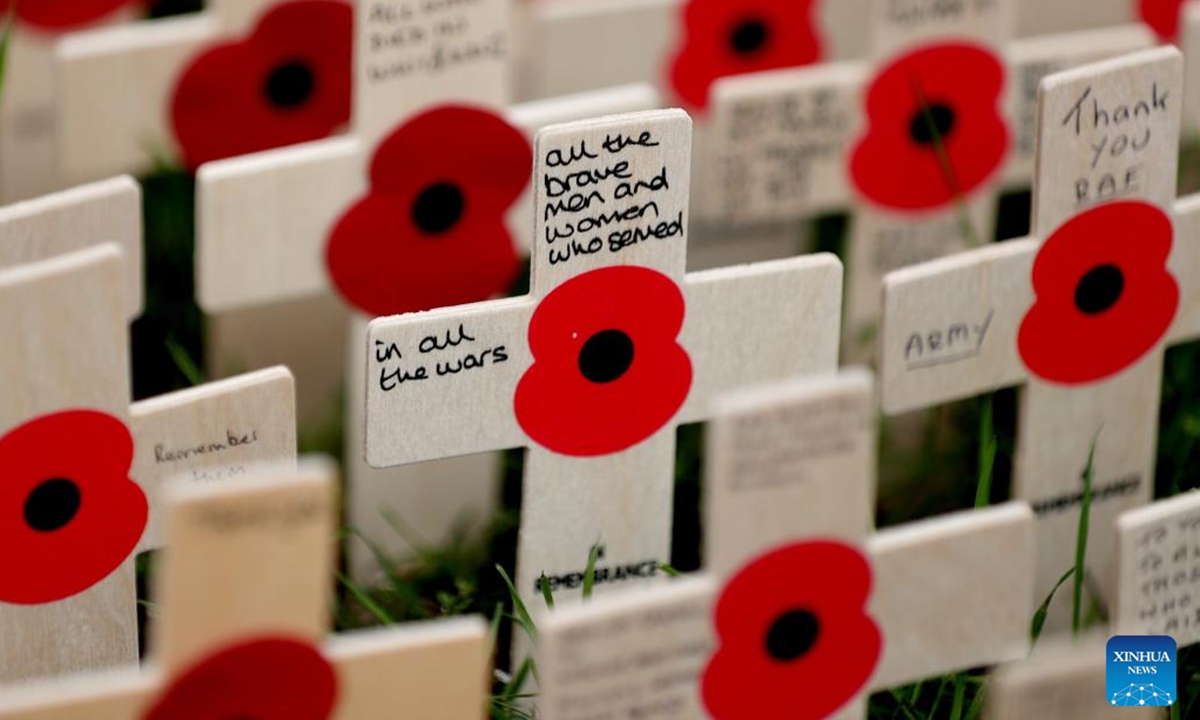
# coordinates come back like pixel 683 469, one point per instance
pixel 1063 679
pixel 28 139
pixel 244 594
pixel 778 141
pixel 789 498
pixel 1189 43
pixel 68 597
pixel 239 77
pixel 293 202
pixel 1158 570
pixel 84 468
pixel 291 199
pixel 1078 315
pixel 798 143
pixel 57 224
pixel 212 433
pixel 73 608
pixel 562 38
pixel 559 38
pixel 612 349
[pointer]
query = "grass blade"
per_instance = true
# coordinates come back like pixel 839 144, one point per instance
pixel 1081 542
pixel 494 628
pixel 365 600
pixel 519 679
pixel 589 573
pixel 943 158
pixel 10 25
pixel 903 705
pixel 548 596
pixel 960 692
pixel 522 613
pixel 1039 617
pixel 976 708
pixel 669 571
pixel 183 361
pixel 987 453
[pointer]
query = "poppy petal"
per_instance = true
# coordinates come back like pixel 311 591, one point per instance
pixel 722 38
pixel 287 83
pixel 1162 16
pixel 935 114
pixel 1104 295
pixel 57 15
pixel 431 233
pixel 67 501
pixel 264 679
pixel 794 638
pixel 608 371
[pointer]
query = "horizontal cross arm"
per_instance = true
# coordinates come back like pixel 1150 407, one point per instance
pixel 109 211
pixel 263 220
pixel 212 432
pixel 1184 264
pixel 111 80
pixel 436 670
pixel 949 327
pixel 115 695
pixel 953 592
pixel 441 383
pixel 760 323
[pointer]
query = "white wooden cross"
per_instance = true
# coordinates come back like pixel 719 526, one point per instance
pixel 1090 371
pixel 559 37
pixel 778 141
pixel 80 516
pixel 1063 679
pixel 251 564
pixel 1189 43
pixel 116 86
pixel 68 295
pixel 76 607
pixel 51 225
pixel 290 200
pixel 612 349
pixel 28 139
pixel 791 466
pixel 1158 570
pixel 785 145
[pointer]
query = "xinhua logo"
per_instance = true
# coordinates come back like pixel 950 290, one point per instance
pixel 1141 671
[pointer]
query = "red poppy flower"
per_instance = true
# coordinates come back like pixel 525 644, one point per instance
pixel 289 82
pixel 1104 295
pixel 54 15
pixel 69 514
pixel 1162 16
pixel 431 231
pixel 794 639
pixel 723 37
pixel 264 679
pixel 608 371
pixel 947 92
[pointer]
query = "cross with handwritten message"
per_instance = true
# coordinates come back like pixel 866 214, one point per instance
pixel 1078 315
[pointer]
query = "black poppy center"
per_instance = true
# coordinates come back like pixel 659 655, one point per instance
pixel 438 208
pixel 792 634
pixel 1099 290
pixel 606 356
pixel 749 36
pixel 936 121
pixel 52 505
pixel 290 85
